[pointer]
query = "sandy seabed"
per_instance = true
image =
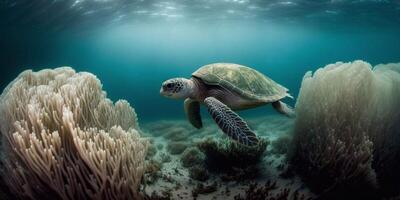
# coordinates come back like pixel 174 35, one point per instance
pixel 173 179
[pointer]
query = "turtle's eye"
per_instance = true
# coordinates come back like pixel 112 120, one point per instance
pixel 170 85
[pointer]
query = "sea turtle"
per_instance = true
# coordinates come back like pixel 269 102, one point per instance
pixel 223 88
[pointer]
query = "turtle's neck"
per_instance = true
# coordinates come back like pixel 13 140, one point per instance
pixel 198 89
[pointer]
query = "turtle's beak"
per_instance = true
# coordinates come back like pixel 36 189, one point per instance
pixel 164 93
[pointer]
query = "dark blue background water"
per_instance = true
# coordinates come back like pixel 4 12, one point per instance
pixel 133 59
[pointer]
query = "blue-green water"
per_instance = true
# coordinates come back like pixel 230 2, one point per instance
pixel 133 57
pixel 344 142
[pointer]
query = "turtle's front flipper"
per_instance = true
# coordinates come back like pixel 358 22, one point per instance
pixel 192 110
pixel 230 122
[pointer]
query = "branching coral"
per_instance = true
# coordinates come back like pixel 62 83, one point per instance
pixel 345 126
pixel 63 138
pixel 384 127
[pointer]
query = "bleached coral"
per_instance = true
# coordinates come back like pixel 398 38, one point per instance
pixel 345 132
pixel 62 138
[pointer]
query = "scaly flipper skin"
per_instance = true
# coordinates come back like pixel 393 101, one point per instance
pixel 230 122
pixel 192 110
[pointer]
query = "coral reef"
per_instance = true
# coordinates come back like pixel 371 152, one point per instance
pixel 225 154
pixel 233 161
pixel 165 195
pixel 193 159
pixel 198 172
pixel 268 192
pixel 347 135
pixel 152 171
pixel 63 139
pixel 176 147
pixel 165 158
pixel 281 145
pixel 175 133
pixel 151 151
pixel 5 193
pixel 160 146
pixel 181 176
pixel 192 156
pixel 204 189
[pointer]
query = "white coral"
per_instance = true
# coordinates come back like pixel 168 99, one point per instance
pixel 64 139
pixel 345 131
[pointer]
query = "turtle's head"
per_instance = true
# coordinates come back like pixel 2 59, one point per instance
pixel 177 88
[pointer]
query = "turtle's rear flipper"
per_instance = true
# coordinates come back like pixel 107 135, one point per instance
pixel 284 109
pixel 230 122
pixel 192 110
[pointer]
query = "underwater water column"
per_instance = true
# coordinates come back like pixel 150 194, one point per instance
pixel 346 135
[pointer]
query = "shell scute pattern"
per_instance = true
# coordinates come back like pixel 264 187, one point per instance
pixel 243 80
